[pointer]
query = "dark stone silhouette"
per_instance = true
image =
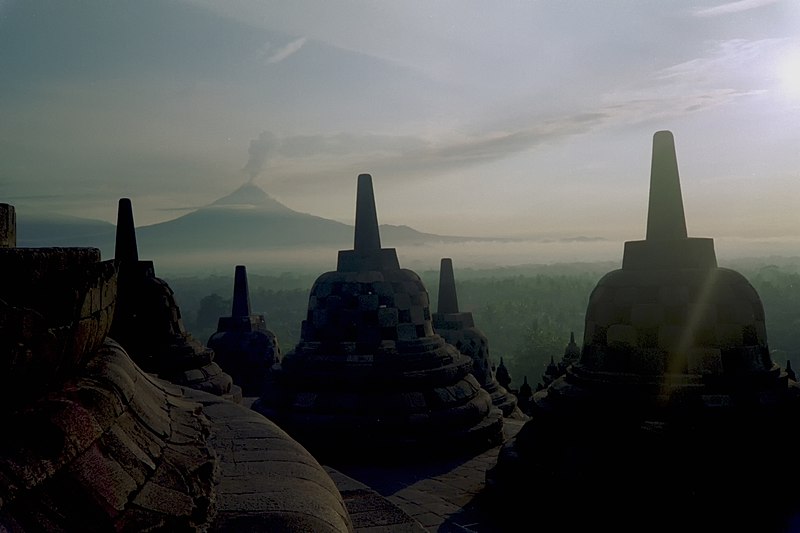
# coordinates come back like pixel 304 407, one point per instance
pixel 242 343
pixel 8 226
pixel 90 442
pixel 790 372
pixel 458 328
pixel 369 374
pixel 572 353
pixel 524 396
pixel 675 402
pixel 502 375
pixel 553 371
pixel 148 323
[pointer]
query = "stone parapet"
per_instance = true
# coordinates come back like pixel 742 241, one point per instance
pixel 8 226
pixel 57 306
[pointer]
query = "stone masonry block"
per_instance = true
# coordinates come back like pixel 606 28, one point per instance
pixel 761 331
pixel 623 296
pixel 729 335
pixel 603 313
pixel 402 301
pixel 673 295
pixel 387 317
pixel 623 334
pixel 406 332
pixel 705 361
pixel 673 338
pixel 647 315
pixel 702 315
pixel 736 312
pixel 368 302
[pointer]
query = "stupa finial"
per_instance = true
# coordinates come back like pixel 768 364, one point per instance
pixel 367 253
pixel 241 293
pixel 572 337
pixel 367 235
pixel 448 298
pixel 125 249
pixel 665 216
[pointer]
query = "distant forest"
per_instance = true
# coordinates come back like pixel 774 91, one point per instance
pixel 526 312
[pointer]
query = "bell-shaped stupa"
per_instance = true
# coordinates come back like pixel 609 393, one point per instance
pixel 369 374
pixel 572 352
pixel 458 328
pixel 675 401
pixel 242 343
pixel 148 323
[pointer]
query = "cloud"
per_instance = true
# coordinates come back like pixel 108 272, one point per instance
pixel 316 158
pixel 730 68
pixel 733 7
pixel 285 51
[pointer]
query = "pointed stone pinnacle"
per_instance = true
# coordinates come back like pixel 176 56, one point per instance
pixel 241 293
pixel 665 216
pixel 367 235
pixel 125 249
pixel 448 298
pixel 572 337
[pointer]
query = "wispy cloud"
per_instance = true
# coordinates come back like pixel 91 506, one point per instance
pixel 406 157
pixel 319 158
pixel 276 56
pixel 723 59
pixel 732 7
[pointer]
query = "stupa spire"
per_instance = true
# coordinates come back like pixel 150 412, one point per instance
pixel 125 248
pixel 665 216
pixel 367 235
pixel 241 293
pixel 448 298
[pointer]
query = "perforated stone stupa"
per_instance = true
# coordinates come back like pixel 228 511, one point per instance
pixel 148 323
pixel 242 343
pixel 369 373
pixel 91 443
pixel 458 328
pixel 675 402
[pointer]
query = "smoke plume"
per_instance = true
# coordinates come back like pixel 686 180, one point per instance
pixel 258 152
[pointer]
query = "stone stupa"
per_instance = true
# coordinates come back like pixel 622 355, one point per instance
pixel 148 323
pixel 458 328
pixel 242 343
pixel 91 443
pixel 369 374
pixel 675 415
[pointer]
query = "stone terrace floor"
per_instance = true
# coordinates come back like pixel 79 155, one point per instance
pixel 441 495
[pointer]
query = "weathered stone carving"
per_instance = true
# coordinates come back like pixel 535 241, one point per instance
pixel 90 442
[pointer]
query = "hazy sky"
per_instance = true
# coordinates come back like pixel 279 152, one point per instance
pixel 474 117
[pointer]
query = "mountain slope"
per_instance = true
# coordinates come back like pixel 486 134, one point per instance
pixel 248 219
pixel 39 230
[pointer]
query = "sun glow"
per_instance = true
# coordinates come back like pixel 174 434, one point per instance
pixel 789 73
